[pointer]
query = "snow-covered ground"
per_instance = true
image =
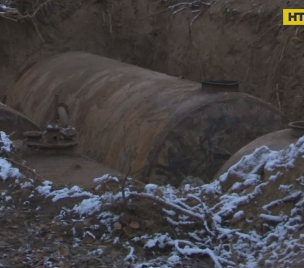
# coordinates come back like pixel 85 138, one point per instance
pixel 251 217
pixel 6 6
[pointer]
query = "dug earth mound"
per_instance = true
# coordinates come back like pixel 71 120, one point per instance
pixel 251 217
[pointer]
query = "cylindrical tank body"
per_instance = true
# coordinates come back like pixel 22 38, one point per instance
pixel 126 116
pixel 275 141
pixel 14 123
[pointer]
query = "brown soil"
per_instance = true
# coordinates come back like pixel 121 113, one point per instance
pixel 37 231
pixel 67 169
pixel 237 40
pixel 33 238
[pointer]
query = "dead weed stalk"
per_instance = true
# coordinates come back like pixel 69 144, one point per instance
pixel 15 14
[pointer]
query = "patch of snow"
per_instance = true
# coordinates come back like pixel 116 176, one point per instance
pixel 4 8
pixel 217 218
pixel 270 218
pixel 7 171
pixel 45 190
pixel 151 188
pixel 5 142
pixel 57 195
pixel 116 240
pixel 191 249
pixel 239 215
pixel 169 193
pixel 131 256
pixel 169 212
pixel 174 260
pixel 213 188
pixel 97 252
pixel 106 177
pixel 88 233
pixel 88 206
pixel 108 219
pixel 159 240
pixel 286 189
pixel 26 184
pixel 8 198
pixel 48 264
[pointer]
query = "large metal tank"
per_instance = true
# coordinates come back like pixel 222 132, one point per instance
pixel 127 117
pixel 14 123
pixel 275 141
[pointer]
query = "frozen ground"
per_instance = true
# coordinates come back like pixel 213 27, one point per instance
pixel 252 217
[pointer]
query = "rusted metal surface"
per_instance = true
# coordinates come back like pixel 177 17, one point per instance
pixel 13 122
pixel 276 141
pixel 58 134
pixel 55 137
pixel 126 116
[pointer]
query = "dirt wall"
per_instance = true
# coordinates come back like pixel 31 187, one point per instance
pixel 241 40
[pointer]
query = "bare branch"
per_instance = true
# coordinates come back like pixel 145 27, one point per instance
pixel 21 166
pixel 199 217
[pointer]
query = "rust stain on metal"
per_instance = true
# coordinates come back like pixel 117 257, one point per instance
pixel 126 116
pixel 55 137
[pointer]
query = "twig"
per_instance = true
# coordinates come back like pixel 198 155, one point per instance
pixel 198 3
pixel 283 50
pixel 196 17
pixel 234 255
pixel 162 202
pixel 9 18
pixel 181 9
pixel 281 56
pixel 12 133
pixel 123 187
pixel 26 168
pixel 18 16
pixel 37 29
pixel 205 251
pixel 278 96
pixel 35 12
